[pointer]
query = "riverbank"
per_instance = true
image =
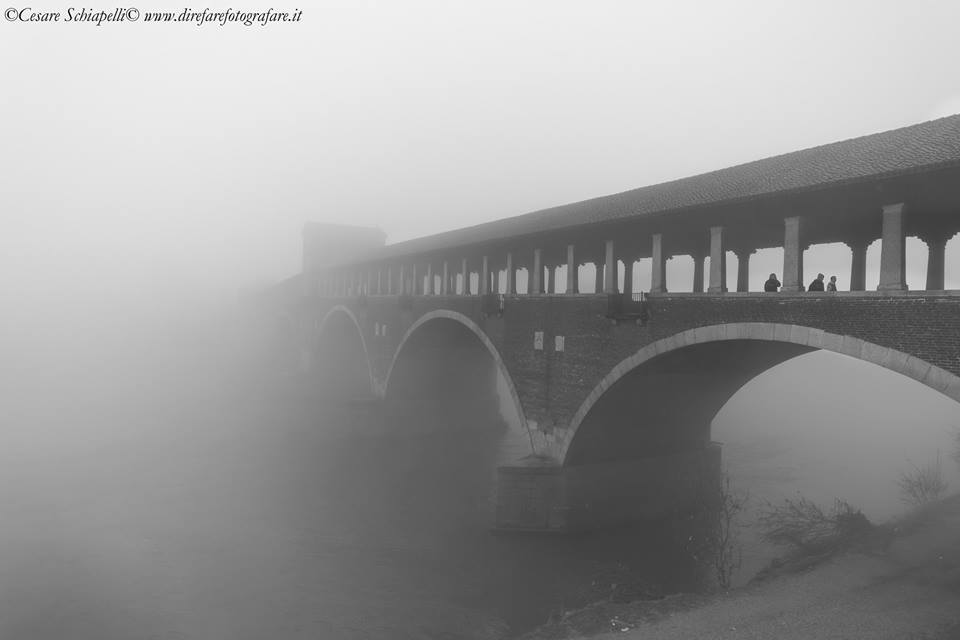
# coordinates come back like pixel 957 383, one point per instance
pixel 909 590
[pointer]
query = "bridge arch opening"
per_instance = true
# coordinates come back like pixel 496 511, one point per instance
pixel 453 418
pixel 662 399
pixel 665 404
pixel 339 358
pixel 448 371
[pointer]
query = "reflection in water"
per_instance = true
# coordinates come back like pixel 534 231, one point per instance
pixel 208 513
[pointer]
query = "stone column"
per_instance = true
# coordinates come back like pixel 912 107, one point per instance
pixel 697 272
pixel 572 286
pixel 511 275
pixel 658 270
pixel 535 277
pixel 743 269
pixel 718 262
pixel 551 278
pixel 465 277
pixel 485 276
pixel 628 275
pixel 598 277
pixel 610 284
pixel 936 261
pixel 495 276
pixel 445 284
pixel 792 254
pixel 893 250
pixel 389 281
pixel 858 264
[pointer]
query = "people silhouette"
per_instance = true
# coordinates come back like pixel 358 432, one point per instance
pixel 817 284
pixel 772 284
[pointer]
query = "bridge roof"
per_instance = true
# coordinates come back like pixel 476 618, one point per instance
pixel 920 147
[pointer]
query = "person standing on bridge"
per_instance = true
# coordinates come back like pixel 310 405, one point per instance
pixel 817 284
pixel 772 284
pixel 832 285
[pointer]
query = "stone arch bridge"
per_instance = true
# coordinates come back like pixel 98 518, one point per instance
pixel 615 388
pixel 598 389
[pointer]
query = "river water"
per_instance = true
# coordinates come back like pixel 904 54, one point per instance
pixel 174 502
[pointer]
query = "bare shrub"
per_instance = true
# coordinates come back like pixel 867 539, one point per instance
pixel 804 525
pixel 921 485
pixel 727 552
pixel 715 544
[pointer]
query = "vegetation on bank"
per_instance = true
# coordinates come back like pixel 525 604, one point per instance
pixel 809 533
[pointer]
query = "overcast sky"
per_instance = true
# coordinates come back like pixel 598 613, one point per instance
pixel 168 154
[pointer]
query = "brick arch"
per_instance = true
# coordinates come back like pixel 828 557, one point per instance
pixel 930 375
pixel 363 341
pixel 484 339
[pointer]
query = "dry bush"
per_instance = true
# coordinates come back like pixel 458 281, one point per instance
pixel 714 545
pixel 921 485
pixel 804 525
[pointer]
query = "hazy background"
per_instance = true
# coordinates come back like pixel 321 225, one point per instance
pixel 167 165
pixel 149 171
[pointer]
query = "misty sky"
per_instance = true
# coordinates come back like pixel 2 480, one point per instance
pixel 143 155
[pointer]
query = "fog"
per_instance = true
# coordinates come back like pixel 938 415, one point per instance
pixel 151 172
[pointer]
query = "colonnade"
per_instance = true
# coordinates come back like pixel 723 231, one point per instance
pixel 480 273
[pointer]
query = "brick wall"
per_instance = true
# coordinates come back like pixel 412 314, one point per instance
pixel 552 385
